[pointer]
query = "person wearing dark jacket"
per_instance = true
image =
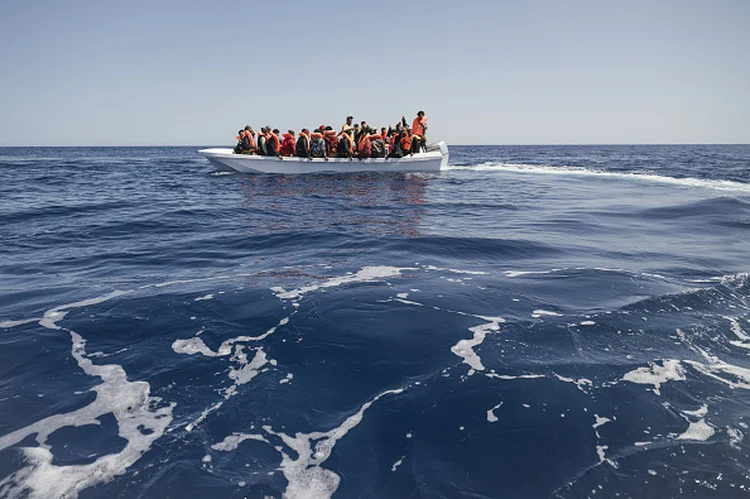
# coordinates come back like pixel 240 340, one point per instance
pixel 302 147
pixel 273 144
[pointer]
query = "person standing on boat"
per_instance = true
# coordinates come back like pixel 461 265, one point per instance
pixel 288 144
pixel 348 125
pixel 302 147
pixel 418 131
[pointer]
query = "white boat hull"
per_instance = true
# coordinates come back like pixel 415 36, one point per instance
pixel 224 159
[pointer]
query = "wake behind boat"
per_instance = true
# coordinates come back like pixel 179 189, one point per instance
pixel 225 159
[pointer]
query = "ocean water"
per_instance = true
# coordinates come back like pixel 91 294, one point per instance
pixel 534 322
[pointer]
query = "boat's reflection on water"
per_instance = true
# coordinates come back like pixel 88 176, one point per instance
pixel 371 203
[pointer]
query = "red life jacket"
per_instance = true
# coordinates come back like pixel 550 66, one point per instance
pixel 331 141
pixel 406 143
pixel 287 145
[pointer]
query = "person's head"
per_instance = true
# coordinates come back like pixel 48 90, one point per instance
pixel 291 132
pixel 275 131
pixel 356 126
pixel 364 124
pixel 241 133
pixel 329 128
pixel 383 130
pixel 349 120
pixel 305 131
pixel 248 127
pixel 420 114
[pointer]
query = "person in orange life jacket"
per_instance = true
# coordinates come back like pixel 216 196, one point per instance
pixel 273 144
pixel 302 148
pixel 364 145
pixel 394 142
pixel 243 143
pixel 262 141
pixel 332 141
pixel 406 141
pixel 250 134
pixel 385 133
pixel 318 144
pixel 288 144
pixel 419 129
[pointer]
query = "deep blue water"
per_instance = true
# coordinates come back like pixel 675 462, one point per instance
pixel 535 322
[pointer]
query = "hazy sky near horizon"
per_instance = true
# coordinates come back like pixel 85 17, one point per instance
pixel 93 72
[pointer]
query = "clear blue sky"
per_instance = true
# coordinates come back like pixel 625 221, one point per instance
pixel 100 72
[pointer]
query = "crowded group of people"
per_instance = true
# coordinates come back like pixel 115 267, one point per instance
pixel 352 141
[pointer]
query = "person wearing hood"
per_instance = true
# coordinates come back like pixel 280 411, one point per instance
pixel 288 143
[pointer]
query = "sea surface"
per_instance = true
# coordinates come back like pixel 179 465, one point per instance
pixel 534 322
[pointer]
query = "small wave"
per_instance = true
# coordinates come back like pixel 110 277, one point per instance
pixel 723 185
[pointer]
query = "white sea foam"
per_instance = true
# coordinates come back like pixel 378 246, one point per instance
pixel 582 384
pixel 735 437
pixel 539 313
pixel 397 464
pixel 10 324
pixel 465 348
pixel 519 273
pixel 141 419
pixel 304 473
pixel 600 420
pixel 699 430
pixel 507 377
pixel 209 296
pixel 656 374
pixel 455 271
pixel 240 373
pixel 491 413
pixel 744 339
pixel 233 441
pixel 723 185
pixel 367 274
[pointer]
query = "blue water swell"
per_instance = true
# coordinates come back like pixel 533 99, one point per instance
pixel 539 321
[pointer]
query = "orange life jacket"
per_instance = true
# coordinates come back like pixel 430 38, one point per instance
pixel 417 127
pixel 273 140
pixel 406 143
pixel 251 139
pixel 316 134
